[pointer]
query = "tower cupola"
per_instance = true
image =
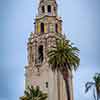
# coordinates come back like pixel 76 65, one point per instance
pixel 47 7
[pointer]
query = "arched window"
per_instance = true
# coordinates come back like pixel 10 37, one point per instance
pixel 40 54
pixel 42 27
pixel 49 9
pixel 46 83
pixel 43 9
pixel 56 27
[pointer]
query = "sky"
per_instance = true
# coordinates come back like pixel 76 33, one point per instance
pixel 81 22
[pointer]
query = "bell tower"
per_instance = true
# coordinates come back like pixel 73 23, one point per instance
pixel 48 28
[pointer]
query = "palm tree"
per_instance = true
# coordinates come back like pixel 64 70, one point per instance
pixel 63 57
pixel 34 94
pixel 96 84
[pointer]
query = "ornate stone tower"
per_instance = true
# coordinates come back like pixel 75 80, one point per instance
pixel 48 27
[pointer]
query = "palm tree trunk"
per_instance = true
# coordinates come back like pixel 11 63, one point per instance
pixel 58 84
pixel 67 89
pixel 98 93
pixel 66 76
pixel 98 96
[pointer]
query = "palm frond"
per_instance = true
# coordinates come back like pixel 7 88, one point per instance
pixel 64 55
pixel 88 85
pixel 33 93
pixel 94 95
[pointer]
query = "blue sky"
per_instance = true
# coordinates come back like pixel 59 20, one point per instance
pixel 81 22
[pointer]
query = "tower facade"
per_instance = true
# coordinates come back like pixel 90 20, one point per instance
pixel 47 28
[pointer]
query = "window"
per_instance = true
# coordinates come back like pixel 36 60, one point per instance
pixel 33 58
pixel 43 9
pixel 40 54
pixel 56 27
pixel 46 83
pixel 42 27
pixel 49 9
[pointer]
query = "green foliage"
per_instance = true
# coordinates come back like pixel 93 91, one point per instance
pixel 34 94
pixel 97 78
pixel 63 56
pixel 96 85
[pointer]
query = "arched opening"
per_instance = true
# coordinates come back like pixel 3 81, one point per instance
pixel 43 9
pixel 40 54
pixel 56 27
pixel 46 83
pixel 49 9
pixel 42 27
